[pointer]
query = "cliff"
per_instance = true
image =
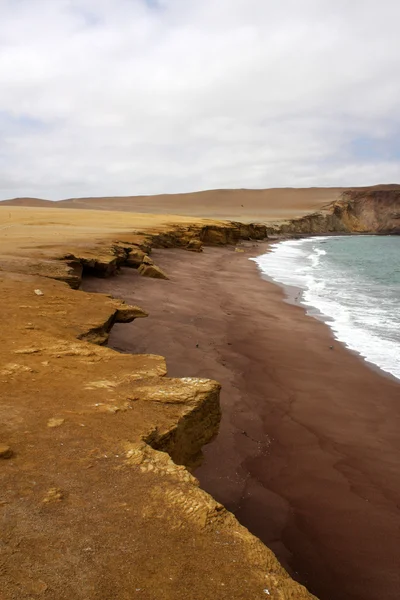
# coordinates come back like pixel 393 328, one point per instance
pixel 96 448
pixel 369 211
pixel 375 211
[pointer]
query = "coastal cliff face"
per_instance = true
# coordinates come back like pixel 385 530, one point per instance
pixel 371 211
pixel 356 211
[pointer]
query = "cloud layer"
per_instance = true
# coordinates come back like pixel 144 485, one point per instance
pixel 115 97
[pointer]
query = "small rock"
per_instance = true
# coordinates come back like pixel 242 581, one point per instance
pixel 135 258
pixel 5 451
pixel 195 246
pixel 54 422
pixel 112 409
pixel 126 313
pixel 152 271
pixel 147 260
pixel 39 293
pixel 53 495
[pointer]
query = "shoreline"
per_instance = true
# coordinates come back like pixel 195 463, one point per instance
pixel 291 297
pixel 292 293
pixel 274 462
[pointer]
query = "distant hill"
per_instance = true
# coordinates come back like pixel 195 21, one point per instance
pixel 34 202
pixel 240 204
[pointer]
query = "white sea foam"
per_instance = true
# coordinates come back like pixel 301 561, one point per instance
pixel 359 312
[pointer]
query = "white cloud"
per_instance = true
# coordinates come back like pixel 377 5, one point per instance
pixel 131 96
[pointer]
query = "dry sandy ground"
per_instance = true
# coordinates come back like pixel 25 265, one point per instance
pixel 308 451
pixel 25 229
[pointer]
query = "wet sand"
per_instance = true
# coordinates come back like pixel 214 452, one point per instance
pixel 308 454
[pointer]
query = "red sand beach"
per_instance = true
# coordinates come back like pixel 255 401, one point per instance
pixel 308 454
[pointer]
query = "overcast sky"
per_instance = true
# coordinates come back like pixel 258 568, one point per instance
pixel 123 97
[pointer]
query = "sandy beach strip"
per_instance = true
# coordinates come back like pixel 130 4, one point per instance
pixel 308 454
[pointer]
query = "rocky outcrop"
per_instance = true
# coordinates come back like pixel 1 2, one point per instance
pixel 185 440
pixel 99 264
pixel 123 314
pixel 152 271
pixel 195 246
pixel 5 451
pixel 314 224
pixel 375 211
pixel 105 261
pixel 127 314
pixel 231 233
pixel 68 271
pixel 135 258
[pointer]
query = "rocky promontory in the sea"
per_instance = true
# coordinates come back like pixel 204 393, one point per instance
pixel 97 448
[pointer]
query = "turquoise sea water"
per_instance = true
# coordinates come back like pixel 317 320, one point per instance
pixel 354 282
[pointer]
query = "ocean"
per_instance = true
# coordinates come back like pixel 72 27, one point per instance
pixel 353 283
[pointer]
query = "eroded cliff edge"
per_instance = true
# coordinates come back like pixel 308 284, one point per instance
pixel 375 211
pixel 97 499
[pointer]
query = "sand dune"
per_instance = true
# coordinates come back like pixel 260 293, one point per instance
pixel 239 205
pixel 29 202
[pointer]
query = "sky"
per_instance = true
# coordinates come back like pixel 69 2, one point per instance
pixel 125 97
